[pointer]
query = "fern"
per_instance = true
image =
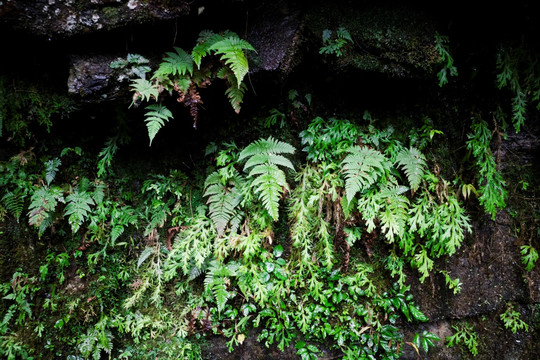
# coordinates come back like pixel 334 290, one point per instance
pixel 51 168
pixel 175 63
pixel 413 163
pixel 43 202
pixel 216 281
pixel 155 119
pixel 269 184
pixel 394 217
pixel 363 167
pixel 222 199
pixel 14 202
pixel 268 181
pixel 144 90
pixel 78 207
pixel 205 41
pixel 492 189
pixel 231 50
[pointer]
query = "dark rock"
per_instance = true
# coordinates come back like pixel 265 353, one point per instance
pixel 60 19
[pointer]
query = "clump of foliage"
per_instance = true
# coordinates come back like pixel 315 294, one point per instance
pixel 448 68
pixel 512 321
pixel 464 335
pixel 24 108
pixel 492 189
pixel 520 72
pixel 334 44
pixel 214 56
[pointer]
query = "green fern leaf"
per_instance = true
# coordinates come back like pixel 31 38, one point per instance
pixel 51 168
pixel 222 200
pixel 268 146
pixel 269 185
pixel 43 202
pixel 414 165
pixel 263 157
pixel 363 167
pixel 14 202
pixel 78 207
pixel 236 96
pixel 144 89
pixel 155 119
pixel 145 255
pixel 232 49
pixel 206 40
pixel 175 63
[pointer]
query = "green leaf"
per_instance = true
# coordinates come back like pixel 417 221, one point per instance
pixel 144 89
pixel 231 50
pixel 155 119
pixel 175 63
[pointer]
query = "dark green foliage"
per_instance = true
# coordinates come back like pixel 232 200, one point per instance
pixel 492 189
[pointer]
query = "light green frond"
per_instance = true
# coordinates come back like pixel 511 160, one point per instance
pixel 176 63
pixel 231 50
pixel 155 119
pixel 267 146
pixel 413 163
pixel 363 167
pixel 144 90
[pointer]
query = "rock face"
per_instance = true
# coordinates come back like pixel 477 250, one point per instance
pixel 59 19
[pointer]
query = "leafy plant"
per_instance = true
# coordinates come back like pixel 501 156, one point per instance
pixel 335 44
pixel 529 256
pixel 465 335
pixel 492 189
pixel 511 319
pixel 448 69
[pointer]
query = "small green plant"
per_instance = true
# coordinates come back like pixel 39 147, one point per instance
pixel 529 256
pixel 512 321
pixel 334 45
pixel 134 65
pixel 464 334
pixel 448 67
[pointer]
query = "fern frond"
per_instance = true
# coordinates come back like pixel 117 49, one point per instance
pixel 222 201
pixel 144 90
pixel 363 167
pixel 145 255
pixel 205 41
pixel 175 63
pixel 413 163
pixel 216 281
pixel 236 95
pixel 231 50
pixel 14 202
pixel 268 158
pixel 266 146
pixel 155 119
pixel 51 168
pixel 43 202
pixel 78 207
pixel 269 185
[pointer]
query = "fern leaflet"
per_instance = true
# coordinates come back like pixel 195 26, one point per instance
pixel 414 165
pixel 14 202
pixel 51 168
pixel 155 119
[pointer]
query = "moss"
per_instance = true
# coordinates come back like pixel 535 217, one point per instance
pixel 392 41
